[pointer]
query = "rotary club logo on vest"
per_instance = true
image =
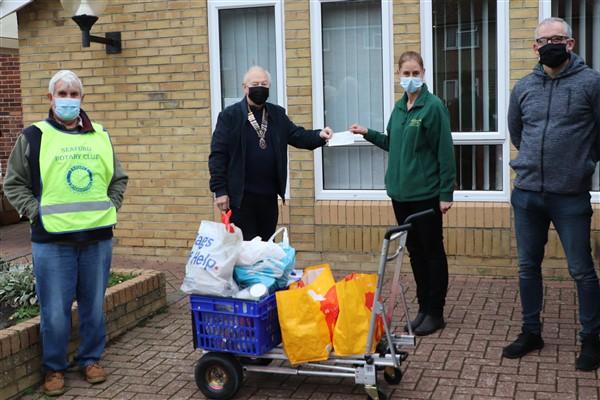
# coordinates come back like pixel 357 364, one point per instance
pixel 80 178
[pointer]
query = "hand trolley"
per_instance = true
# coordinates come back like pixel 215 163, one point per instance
pixel 219 373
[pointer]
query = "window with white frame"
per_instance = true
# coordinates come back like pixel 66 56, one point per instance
pixel 464 47
pixel 243 34
pixel 584 18
pixel 352 75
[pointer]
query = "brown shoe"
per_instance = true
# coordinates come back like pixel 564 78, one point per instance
pixel 54 383
pixel 94 373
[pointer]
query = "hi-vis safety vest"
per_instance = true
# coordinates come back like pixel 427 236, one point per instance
pixel 76 170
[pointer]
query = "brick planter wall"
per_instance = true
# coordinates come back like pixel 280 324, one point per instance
pixel 125 306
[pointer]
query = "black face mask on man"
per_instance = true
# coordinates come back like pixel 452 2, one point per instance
pixel 258 94
pixel 553 55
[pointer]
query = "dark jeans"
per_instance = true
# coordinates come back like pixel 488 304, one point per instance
pixel 425 244
pixel 571 216
pixel 63 273
pixel 257 216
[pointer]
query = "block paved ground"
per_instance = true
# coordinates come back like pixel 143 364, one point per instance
pixel 156 359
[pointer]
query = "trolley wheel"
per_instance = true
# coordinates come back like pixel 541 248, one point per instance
pixel 392 375
pixel 255 361
pixel 218 375
pixel 380 394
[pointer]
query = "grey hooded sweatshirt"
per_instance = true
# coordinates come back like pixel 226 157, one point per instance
pixel 555 125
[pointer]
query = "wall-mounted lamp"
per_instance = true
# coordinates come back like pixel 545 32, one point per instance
pixel 85 13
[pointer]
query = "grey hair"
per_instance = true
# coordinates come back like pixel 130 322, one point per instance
pixel 551 20
pixel 256 68
pixel 68 77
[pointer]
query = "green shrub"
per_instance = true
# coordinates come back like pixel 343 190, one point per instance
pixel 17 288
pixel 17 285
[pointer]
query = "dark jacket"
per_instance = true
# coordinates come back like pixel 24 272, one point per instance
pixel 555 125
pixel 23 184
pixel 226 162
pixel 421 155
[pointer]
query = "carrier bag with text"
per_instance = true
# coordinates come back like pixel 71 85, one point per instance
pixel 209 270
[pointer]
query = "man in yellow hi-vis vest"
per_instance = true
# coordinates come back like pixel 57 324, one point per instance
pixel 64 176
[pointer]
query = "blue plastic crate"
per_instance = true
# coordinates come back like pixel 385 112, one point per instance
pixel 234 325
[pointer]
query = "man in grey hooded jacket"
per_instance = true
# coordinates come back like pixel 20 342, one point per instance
pixel 554 122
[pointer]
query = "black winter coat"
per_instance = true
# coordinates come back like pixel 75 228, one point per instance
pixel 227 158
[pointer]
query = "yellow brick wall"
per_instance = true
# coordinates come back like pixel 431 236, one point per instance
pixel 299 105
pixel 155 100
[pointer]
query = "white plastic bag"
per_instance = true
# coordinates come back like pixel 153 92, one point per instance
pixel 271 262
pixel 209 270
pixel 255 250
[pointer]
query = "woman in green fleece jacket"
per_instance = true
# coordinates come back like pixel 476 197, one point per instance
pixel 420 176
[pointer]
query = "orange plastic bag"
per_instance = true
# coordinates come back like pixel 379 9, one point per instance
pixel 355 295
pixel 307 313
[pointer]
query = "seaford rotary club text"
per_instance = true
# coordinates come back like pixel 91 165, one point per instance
pixel 76 153
pixel 202 257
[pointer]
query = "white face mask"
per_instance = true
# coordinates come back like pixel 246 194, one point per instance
pixel 411 84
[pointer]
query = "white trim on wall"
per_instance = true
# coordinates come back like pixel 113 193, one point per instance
pixel 215 57
pixel 499 137
pixel 10 6
pixel 545 7
pixel 318 101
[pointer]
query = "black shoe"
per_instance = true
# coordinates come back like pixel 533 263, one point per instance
pixel 589 358
pixel 429 325
pixel 415 322
pixel 526 342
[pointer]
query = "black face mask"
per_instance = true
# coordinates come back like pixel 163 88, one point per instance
pixel 552 55
pixel 258 94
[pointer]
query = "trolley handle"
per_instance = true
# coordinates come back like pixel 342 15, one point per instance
pixel 418 215
pixel 396 229
pixel 407 223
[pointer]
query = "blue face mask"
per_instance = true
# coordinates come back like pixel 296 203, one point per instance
pixel 411 84
pixel 66 109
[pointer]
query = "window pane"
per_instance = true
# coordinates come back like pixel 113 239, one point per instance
pixel 247 38
pixel 465 72
pixel 478 167
pixel 352 91
pixel 584 18
pixel 354 167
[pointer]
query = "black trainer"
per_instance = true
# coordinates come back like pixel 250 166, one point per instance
pixel 589 358
pixel 430 325
pixel 415 322
pixel 525 343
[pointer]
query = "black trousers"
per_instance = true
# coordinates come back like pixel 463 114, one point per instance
pixel 257 216
pixel 425 244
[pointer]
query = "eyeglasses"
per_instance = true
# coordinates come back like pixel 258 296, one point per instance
pixel 554 40
pixel 255 84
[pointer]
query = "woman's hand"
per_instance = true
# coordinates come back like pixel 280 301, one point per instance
pixel 355 128
pixel 445 206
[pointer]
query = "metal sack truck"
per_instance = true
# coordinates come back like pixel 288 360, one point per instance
pixel 239 336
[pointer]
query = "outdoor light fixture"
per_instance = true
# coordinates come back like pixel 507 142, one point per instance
pixel 85 13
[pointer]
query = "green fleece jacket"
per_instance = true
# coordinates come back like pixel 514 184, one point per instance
pixel 421 155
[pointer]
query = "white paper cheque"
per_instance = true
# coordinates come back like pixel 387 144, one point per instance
pixel 344 138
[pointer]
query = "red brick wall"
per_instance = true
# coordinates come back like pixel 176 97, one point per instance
pixel 11 115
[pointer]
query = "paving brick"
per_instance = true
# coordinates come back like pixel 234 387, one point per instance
pixel 157 360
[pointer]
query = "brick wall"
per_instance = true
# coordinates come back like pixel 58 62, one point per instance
pixel 125 305
pixel 155 100
pixel 11 117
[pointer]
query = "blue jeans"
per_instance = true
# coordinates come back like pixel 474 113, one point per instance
pixel 63 273
pixel 571 216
